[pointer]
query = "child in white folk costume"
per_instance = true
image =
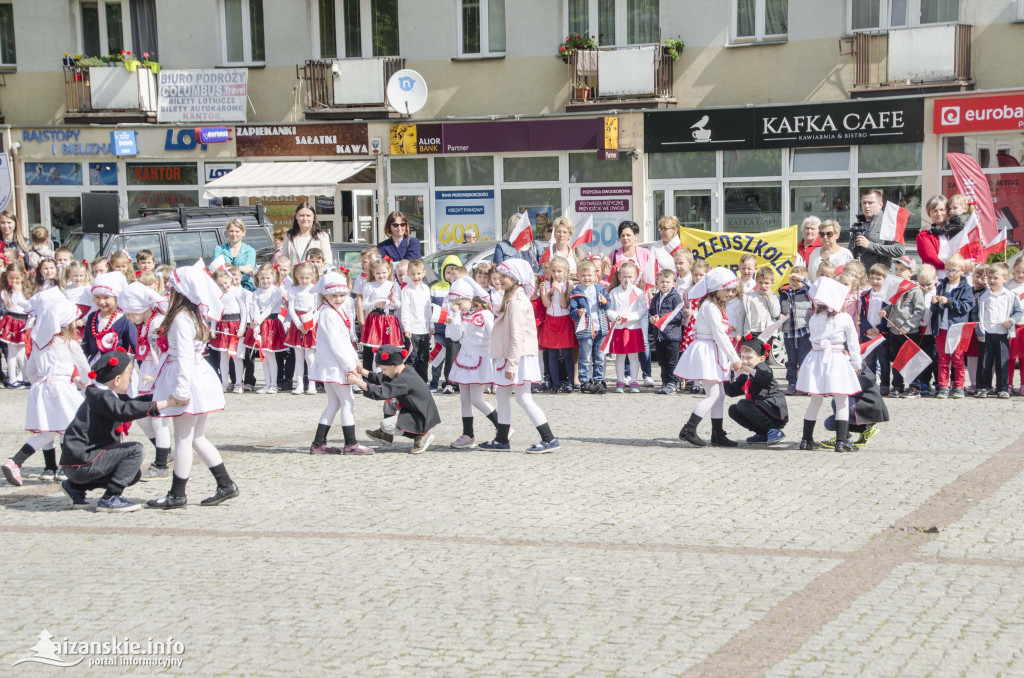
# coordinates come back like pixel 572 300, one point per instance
pixel 832 366
pixel 230 329
pixel 302 304
pixel 515 354
pixel 145 307
pixel 381 300
pixel 470 323
pixel 53 397
pixel 186 376
pixel 711 355
pixel 626 311
pixel 335 358
pixel 266 332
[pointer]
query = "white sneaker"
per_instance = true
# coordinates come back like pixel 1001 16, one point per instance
pixel 311 390
pixel 262 390
pixel 226 387
pixel 272 390
pixel 649 382
pixel 238 389
pixel 297 390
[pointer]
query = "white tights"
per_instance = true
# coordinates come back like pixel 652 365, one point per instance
pixel 224 371
pixel 472 395
pixel 15 362
pixel 270 369
pixel 339 398
pixel 41 441
pixel 525 400
pixel 189 435
pixel 156 428
pixel 620 367
pixel 303 363
pixel 714 400
pixel 842 407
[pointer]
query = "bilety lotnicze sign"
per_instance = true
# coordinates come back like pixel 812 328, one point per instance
pixel 848 123
pixel 979 114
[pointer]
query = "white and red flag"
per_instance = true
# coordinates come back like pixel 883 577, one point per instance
pixel 868 346
pixel 894 222
pixel 584 234
pixel 895 287
pixel 546 256
pixel 218 263
pixel 966 243
pixel 650 273
pixel 910 361
pixel 522 234
pixel 667 318
pixel 282 313
pixel 307 320
pixel 437 354
pixel 438 314
pixel 958 337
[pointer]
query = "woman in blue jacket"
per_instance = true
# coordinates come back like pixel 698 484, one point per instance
pixel 399 244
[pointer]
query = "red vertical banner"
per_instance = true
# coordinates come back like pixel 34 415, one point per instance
pixel 973 183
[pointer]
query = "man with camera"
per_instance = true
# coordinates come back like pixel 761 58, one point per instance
pixel 865 235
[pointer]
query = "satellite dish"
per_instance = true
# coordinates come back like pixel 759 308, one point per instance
pixel 407 91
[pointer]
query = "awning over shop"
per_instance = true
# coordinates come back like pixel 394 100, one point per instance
pixel 263 179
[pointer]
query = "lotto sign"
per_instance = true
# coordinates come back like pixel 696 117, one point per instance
pixel 457 211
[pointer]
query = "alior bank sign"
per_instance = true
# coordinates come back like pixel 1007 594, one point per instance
pixel 979 114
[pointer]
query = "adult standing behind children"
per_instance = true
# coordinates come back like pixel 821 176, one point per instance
pixel 12 241
pixel 831 251
pixel 400 243
pixel 306 233
pixel 869 246
pixel 237 253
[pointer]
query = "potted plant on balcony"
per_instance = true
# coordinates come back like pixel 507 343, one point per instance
pixel 673 47
pixel 574 42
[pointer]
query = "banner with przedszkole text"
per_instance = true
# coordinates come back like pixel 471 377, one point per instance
pixel 772 248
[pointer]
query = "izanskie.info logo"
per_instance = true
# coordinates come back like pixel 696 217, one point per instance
pixel 116 652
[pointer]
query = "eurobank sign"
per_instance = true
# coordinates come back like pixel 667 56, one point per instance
pixel 998 113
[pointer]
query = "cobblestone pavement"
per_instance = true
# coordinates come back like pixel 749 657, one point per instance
pixel 626 553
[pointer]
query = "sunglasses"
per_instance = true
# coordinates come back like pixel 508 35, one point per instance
pixel 828 234
pixel 398 223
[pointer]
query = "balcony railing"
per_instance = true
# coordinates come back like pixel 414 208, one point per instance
pixel 110 94
pixel 343 88
pixel 640 75
pixel 926 57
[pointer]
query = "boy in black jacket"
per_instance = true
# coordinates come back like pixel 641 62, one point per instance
pixel 763 408
pixel 417 413
pixel 92 454
pixel 665 340
pixel 867 408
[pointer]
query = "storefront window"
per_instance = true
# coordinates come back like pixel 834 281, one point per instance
pixel 140 201
pixel 464 170
pixel 542 168
pixel 751 208
pixel 53 174
pixel 826 199
pixel 821 160
pixel 409 170
pixel 762 162
pixel 542 204
pixel 587 168
pixel 102 174
pixel 687 165
pixel 1005 149
pixel 890 158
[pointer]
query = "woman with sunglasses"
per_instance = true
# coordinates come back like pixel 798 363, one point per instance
pixel 830 250
pixel 399 244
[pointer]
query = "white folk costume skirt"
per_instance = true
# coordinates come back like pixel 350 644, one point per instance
pixel 471 368
pixel 206 389
pixel 52 405
pixel 703 361
pixel 827 372
pixel 327 372
pixel 529 371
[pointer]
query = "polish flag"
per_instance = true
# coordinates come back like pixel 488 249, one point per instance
pixel 581 326
pixel 667 318
pixel 437 354
pixel 895 287
pixel 911 361
pixel 282 313
pixel 218 263
pixel 769 332
pixel 438 314
pixel 546 256
pixel 607 341
pixel 967 242
pixel 307 320
pixel 522 234
pixel 233 347
pixel 868 346
pixel 958 337
pixel 201 266
pixel 894 222
pixel 585 234
pixel 650 273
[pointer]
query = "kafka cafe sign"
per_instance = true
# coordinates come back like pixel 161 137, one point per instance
pixel 852 123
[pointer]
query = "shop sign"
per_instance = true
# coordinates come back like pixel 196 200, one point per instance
pixel 280 209
pixel 74 142
pixel 182 140
pixel 141 174
pixel 978 114
pixel 203 95
pixel 457 211
pixel 852 123
pixel 608 205
pixel 500 137
pixel 138 201
pixel 331 139
pixel 123 141
pixel 216 170
pixel 213 135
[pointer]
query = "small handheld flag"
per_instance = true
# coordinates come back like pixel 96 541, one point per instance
pixel 307 320
pixel 895 287
pixel 438 314
pixel 667 318
pixel 868 346
pixel 522 234
pixel 894 222
pixel 437 354
pixel 911 361
pixel 585 234
pixel 958 337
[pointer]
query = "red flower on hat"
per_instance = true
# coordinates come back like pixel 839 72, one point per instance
pixel 91 374
pixel 384 356
pixel 767 347
pixel 119 430
pixel 404 353
pixel 749 336
pixel 112 362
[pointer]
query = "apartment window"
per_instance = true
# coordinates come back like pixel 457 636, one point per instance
pixel 357 28
pixel 105 27
pixel 757 20
pixel 243 32
pixel 865 15
pixel 481 27
pixel 7 55
pixel 614 22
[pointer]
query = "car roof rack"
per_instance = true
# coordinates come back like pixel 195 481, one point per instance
pixel 184 212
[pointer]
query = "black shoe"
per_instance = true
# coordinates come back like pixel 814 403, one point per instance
pixel 221 495
pixel 718 437
pixel 844 446
pixel 689 432
pixel 167 502
pixel 809 445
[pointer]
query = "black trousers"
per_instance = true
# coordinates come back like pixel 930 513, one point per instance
pixel 285 367
pixel 666 352
pixel 115 469
pixel 751 417
pixel 895 342
pixel 931 373
pixel 996 355
pixel 880 362
pixel 419 354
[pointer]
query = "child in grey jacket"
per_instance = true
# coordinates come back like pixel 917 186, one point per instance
pixel 904 320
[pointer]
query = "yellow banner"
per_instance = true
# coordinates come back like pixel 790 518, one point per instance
pixel 772 248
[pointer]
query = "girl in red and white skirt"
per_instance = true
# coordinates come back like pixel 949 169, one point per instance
pixel 15 291
pixel 266 331
pixel 303 302
pixel 381 300
pixel 229 330
pixel 557 332
pixel 626 310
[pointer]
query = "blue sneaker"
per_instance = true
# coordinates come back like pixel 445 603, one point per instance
pixel 775 435
pixel 757 439
pixel 117 504
pixel 495 445
pixel 76 498
pixel 543 447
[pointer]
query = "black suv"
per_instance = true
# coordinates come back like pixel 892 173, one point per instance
pixel 179 237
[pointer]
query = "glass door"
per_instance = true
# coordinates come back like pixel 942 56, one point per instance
pixel 364 216
pixel 413 204
pixel 694 206
pixel 63 214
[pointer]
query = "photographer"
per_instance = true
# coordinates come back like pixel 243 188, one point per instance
pixel 865 240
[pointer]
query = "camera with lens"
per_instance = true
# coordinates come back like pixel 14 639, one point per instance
pixel 859 227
